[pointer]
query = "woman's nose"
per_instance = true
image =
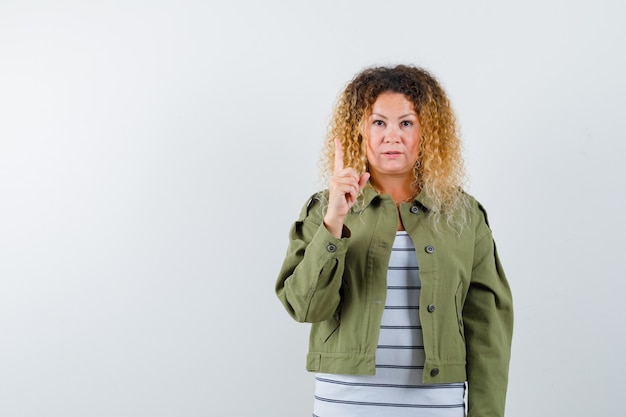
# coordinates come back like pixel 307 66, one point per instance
pixel 392 135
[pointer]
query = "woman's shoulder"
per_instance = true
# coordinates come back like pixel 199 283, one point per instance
pixel 477 215
pixel 314 206
pixel 475 207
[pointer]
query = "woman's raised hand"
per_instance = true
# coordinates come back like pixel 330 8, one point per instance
pixel 344 187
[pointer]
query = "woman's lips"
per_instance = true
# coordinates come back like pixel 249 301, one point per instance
pixel 392 154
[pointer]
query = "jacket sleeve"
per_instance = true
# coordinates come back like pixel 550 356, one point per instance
pixel 488 323
pixel 310 279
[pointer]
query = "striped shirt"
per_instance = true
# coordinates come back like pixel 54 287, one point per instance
pixel 397 388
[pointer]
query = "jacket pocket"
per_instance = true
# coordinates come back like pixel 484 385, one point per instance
pixel 323 331
pixel 459 302
pixel 333 325
pixel 334 328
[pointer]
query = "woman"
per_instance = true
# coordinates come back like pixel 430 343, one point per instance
pixel 395 265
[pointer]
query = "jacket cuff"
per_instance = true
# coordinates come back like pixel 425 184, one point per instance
pixel 328 244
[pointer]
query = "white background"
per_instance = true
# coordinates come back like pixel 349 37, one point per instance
pixel 153 155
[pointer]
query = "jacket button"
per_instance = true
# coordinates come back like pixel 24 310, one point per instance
pixel 434 372
pixel 431 308
pixel 429 249
pixel 331 248
pixel 414 209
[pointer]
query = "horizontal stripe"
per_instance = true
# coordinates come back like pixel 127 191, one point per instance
pixel 365 384
pixel 404 287
pixel 398 347
pixel 388 404
pixel 389 327
pixel 381 366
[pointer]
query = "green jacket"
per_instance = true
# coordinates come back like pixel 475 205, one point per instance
pixel 340 286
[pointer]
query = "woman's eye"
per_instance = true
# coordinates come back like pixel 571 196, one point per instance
pixel 407 123
pixel 379 123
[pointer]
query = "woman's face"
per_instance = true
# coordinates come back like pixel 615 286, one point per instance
pixel 393 136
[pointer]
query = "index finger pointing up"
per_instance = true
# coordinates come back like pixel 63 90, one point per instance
pixel 338 155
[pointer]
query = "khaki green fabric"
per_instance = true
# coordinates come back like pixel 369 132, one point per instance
pixel 340 286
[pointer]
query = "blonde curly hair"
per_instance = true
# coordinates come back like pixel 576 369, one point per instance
pixel 439 171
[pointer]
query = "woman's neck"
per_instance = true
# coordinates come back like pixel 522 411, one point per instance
pixel 401 189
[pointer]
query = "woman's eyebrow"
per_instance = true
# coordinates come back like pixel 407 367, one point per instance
pixel 381 116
